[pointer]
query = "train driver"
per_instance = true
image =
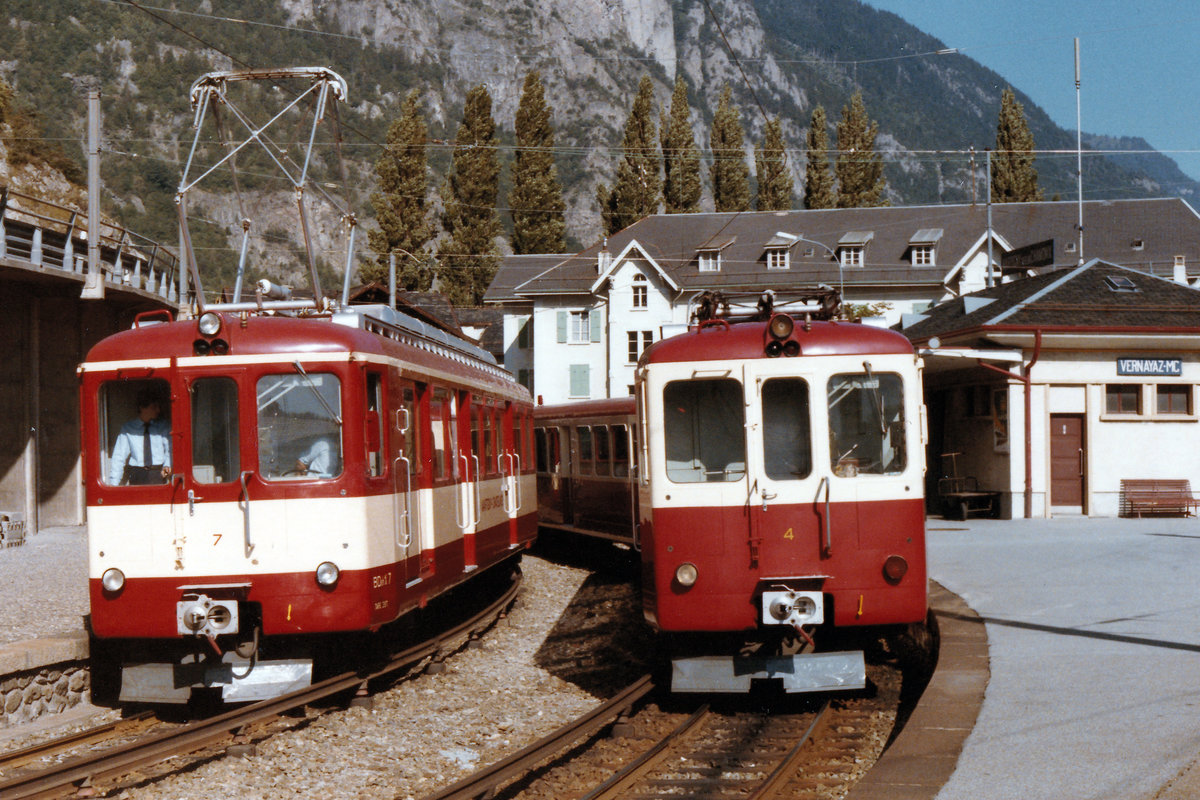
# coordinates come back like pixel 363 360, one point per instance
pixel 142 454
pixel 318 461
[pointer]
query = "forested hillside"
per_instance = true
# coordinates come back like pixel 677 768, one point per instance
pixel 794 55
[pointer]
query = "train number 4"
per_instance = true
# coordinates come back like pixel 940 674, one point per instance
pixel 788 534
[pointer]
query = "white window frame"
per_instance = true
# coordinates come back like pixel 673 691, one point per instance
pixel 580 327
pixel 709 260
pixel 778 258
pixel 923 255
pixel 851 255
pixel 641 297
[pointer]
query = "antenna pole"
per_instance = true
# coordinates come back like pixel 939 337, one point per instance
pixel 988 153
pixel 1079 149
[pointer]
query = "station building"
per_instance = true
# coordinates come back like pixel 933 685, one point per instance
pixel 1053 389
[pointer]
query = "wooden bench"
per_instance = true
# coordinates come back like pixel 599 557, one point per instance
pixel 1157 496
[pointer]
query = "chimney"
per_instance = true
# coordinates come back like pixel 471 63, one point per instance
pixel 1181 270
pixel 603 258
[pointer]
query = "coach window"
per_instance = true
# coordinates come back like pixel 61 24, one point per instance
pixel 620 451
pixel 866 424
pixel 439 423
pixel 215 456
pixel 125 408
pixel 787 439
pixel 600 437
pixel 375 424
pixel 705 431
pixel 584 435
pixel 299 426
pixel 542 465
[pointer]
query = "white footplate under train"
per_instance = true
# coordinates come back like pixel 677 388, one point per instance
pixel 240 680
pixel 809 672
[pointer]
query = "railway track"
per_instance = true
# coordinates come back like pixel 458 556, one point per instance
pixel 103 770
pixel 798 748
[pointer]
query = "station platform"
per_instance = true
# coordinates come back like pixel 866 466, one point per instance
pixel 1069 663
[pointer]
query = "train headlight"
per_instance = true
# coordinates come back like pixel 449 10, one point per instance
pixel 112 580
pixel 686 574
pixel 781 326
pixel 328 573
pixel 209 324
pixel 895 568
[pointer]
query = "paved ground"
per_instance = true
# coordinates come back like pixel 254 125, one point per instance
pixel 1094 642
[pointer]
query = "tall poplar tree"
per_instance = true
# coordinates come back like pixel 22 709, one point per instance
pixel 536 198
pixel 729 175
pixel 468 257
pixel 1014 180
pixel 681 158
pixel 859 168
pixel 399 203
pixel 818 178
pixel 771 169
pixel 638 187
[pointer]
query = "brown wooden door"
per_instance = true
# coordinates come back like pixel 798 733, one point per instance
pixel 1067 460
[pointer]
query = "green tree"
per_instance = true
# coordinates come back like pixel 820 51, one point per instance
pixel 729 175
pixel 536 198
pixel 1014 180
pixel 681 158
pixel 818 179
pixel 638 187
pixel 468 257
pixel 399 203
pixel 859 168
pixel 771 169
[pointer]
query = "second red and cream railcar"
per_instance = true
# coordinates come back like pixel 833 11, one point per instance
pixel 777 486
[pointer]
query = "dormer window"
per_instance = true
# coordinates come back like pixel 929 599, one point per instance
pixel 852 246
pixel 1138 244
pixel 709 260
pixel 922 247
pixel 777 258
pixel 778 249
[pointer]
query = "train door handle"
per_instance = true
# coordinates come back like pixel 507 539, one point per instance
pixel 192 498
pixel 244 480
pixel 768 496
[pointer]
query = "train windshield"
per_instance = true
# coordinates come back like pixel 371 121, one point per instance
pixel 215 453
pixel 787 438
pixel 866 424
pixel 299 426
pixel 705 430
pixel 135 432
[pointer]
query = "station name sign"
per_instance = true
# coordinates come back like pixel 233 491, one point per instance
pixel 1150 366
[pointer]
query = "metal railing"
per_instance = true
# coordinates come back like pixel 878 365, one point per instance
pixel 54 237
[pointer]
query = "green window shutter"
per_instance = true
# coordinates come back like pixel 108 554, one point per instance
pixel 580 383
pixel 562 327
pixel 595 315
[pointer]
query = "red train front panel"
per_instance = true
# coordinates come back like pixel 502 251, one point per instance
pixel 781 492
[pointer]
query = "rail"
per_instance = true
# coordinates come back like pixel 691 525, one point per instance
pixel 53 238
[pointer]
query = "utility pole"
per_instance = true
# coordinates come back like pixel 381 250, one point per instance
pixel 988 153
pixel 93 285
pixel 1079 149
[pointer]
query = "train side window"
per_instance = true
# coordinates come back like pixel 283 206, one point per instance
pixel 555 443
pixel 620 451
pixel 584 434
pixel 543 455
pixel 787 435
pixel 299 426
pixel 374 425
pixel 439 419
pixel 600 438
pixel 123 433
pixel 216 456
pixel 866 424
pixel 705 430
pixel 412 435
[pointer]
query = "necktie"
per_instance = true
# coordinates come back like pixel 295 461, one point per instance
pixel 146 457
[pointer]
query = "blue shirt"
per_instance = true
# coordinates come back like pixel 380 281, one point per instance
pixel 128 449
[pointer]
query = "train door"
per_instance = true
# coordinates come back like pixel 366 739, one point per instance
pixel 548 453
pixel 443 509
pixel 467 476
pixel 406 506
pixel 510 469
pixel 785 493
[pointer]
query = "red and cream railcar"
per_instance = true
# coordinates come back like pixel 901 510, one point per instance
pixel 327 474
pixel 779 496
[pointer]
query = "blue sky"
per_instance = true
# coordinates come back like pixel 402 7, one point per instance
pixel 1139 60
